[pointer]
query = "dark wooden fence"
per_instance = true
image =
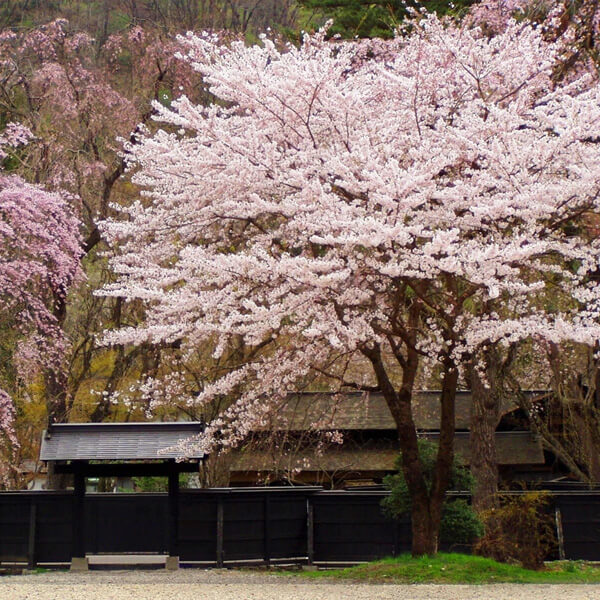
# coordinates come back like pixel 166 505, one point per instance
pixel 227 526
pixel 580 516
pixel 350 527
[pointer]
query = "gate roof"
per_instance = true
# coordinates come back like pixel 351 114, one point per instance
pixel 117 441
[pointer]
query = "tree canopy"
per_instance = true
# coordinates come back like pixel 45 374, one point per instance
pixel 40 250
pixel 364 202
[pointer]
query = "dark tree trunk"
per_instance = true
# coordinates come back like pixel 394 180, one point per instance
pixel 445 456
pixel 57 409
pixel 427 508
pixel 425 536
pixel 426 511
pixel 55 383
pixel 485 414
pixel 591 403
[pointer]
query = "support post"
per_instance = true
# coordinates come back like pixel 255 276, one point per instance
pixel 31 559
pixel 310 531
pixel 220 527
pixel 78 560
pixel 173 558
pixel 267 528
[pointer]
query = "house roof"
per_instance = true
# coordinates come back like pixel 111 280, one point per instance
pixel 116 441
pixel 513 448
pixel 365 411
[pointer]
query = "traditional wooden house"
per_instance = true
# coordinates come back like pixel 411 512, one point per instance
pixel 289 449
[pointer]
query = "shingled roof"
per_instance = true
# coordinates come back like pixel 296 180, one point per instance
pixel 364 411
pixel 116 441
pixel 513 448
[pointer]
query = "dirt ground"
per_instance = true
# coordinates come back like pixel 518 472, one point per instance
pixel 216 584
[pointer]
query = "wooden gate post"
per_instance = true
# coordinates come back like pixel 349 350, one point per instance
pixel 310 530
pixel 220 528
pixel 173 558
pixel 78 559
pixel 31 559
pixel 267 528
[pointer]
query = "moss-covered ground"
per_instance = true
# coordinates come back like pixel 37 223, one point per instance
pixel 459 568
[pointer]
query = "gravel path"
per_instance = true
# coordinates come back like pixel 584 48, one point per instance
pixel 196 584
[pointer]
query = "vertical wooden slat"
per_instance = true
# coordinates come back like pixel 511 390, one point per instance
pixel 79 513
pixel 267 527
pixel 310 531
pixel 31 559
pixel 173 510
pixel 220 520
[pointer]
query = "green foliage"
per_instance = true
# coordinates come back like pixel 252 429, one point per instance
pixel 165 96
pixel 460 523
pixel 118 20
pixel 375 18
pixel 158 484
pixel 521 530
pixel 457 569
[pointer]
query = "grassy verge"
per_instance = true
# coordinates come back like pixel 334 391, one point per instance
pixel 460 568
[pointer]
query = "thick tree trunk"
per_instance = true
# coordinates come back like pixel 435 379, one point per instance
pixel 57 409
pixel 427 508
pixel 425 535
pixel 582 425
pixel 55 383
pixel 426 511
pixel 485 415
pixel 445 455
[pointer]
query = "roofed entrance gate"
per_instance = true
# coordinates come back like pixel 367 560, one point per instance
pixel 122 450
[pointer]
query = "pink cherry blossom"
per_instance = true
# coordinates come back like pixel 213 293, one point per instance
pixel 572 25
pixel 8 440
pixel 13 136
pixel 39 260
pixel 306 208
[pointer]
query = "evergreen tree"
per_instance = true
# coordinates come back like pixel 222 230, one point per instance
pixel 375 18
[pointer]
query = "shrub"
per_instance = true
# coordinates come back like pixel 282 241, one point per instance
pixel 521 530
pixel 460 524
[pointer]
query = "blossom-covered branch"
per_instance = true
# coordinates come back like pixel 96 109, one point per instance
pixel 404 210
pixel 40 250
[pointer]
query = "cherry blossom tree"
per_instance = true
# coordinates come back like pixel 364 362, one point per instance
pixel 78 96
pixel 572 25
pixel 40 250
pixel 399 212
pixel 8 440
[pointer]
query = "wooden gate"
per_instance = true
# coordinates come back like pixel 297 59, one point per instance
pixel 126 523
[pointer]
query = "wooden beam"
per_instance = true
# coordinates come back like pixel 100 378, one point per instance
pixel 79 510
pixel 310 530
pixel 129 469
pixel 267 529
pixel 31 558
pixel 173 509
pixel 220 531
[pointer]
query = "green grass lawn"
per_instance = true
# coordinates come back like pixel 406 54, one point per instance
pixel 459 568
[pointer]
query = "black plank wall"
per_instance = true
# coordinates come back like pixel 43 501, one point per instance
pixel 233 525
